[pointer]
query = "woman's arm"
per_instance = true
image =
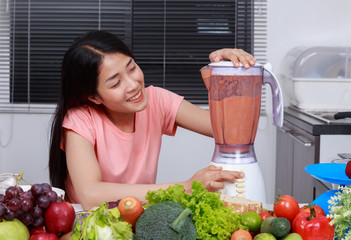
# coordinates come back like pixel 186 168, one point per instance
pixel 194 118
pixel 85 175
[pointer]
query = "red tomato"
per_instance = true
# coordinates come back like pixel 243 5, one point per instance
pixel 313 226
pixel 266 214
pixel 287 207
pixel 317 208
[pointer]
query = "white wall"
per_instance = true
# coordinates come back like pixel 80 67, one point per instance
pixel 24 138
pixel 306 23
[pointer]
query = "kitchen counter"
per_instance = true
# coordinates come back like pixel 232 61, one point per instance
pixel 315 126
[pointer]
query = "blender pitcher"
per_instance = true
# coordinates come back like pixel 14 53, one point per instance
pixel 234 96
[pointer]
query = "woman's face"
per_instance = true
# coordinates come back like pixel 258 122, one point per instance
pixel 121 86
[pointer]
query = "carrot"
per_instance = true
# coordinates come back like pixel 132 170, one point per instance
pixel 130 209
pixel 241 234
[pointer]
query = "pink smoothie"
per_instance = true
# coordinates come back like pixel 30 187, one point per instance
pixel 235 108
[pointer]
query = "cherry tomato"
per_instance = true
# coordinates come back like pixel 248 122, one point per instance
pixel 317 208
pixel 266 214
pixel 313 226
pixel 287 207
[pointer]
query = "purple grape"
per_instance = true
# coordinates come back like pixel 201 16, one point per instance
pixel 11 192
pixel 14 204
pixel 43 201
pixel 9 215
pixel 2 210
pixel 37 190
pixel 38 222
pixel 52 195
pixel 36 212
pixel 2 198
pixel 46 187
pixel 19 189
pixel 27 195
pixel 19 213
pixel 27 204
pixel 26 219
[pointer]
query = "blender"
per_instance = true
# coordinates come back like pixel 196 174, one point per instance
pixel 234 95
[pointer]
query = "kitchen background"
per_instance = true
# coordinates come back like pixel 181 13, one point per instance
pixel 24 137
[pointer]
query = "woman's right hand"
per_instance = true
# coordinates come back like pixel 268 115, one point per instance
pixel 212 177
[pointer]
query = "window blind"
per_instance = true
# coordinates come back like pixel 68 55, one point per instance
pixel 170 39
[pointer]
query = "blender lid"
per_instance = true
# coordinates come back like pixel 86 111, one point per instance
pixel 230 64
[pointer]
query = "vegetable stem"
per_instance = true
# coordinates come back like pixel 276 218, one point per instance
pixel 179 222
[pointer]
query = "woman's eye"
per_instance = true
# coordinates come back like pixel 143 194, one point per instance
pixel 132 69
pixel 115 85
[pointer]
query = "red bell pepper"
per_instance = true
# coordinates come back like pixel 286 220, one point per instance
pixel 313 226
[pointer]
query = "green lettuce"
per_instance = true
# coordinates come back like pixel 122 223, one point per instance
pixel 212 220
pixel 101 224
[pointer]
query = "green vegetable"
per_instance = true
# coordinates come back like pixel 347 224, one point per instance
pixel 340 212
pixel 166 220
pixel 278 226
pixel 292 236
pixel 212 220
pixel 264 236
pixel 101 224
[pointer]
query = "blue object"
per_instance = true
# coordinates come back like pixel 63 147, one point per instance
pixel 322 200
pixel 329 172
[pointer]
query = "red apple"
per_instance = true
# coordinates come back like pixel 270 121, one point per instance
pixel 44 236
pixel 59 218
pixel 348 169
pixel 37 230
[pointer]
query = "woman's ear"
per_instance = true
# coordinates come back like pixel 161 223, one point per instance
pixel 95 99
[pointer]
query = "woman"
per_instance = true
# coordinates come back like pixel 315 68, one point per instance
pixel 107 131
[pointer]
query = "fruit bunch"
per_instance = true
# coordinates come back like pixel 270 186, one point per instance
pixel 27 206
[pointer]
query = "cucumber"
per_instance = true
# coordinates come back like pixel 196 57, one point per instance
pixel 292 236
pixel 277 226
pixel 264 236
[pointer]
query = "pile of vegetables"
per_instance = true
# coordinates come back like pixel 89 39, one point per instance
pixel 174 214
pixel 212 220
pixel 289 221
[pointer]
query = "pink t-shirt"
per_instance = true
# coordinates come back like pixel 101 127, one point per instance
pixel 126 157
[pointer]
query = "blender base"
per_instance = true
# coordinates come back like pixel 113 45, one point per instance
pixel 251 186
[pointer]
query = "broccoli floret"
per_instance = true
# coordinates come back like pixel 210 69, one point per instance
pixel 165 220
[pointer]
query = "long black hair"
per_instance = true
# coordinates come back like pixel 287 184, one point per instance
pixel 79 78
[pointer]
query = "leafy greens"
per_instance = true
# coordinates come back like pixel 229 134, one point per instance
pixel 340 212
pixel 101 224
pixel 212 220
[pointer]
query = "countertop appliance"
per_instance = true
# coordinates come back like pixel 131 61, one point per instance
pixel 234 95
pixel 318 78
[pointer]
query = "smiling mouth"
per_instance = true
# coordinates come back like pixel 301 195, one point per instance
pixel 135 97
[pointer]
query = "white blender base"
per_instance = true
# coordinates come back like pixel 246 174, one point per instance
pixel 251 186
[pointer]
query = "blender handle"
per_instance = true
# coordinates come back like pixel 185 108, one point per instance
pixel 277 97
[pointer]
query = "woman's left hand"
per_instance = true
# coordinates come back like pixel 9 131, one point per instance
pixel 235 55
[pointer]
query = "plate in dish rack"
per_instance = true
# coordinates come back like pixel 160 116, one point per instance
pixel 329 172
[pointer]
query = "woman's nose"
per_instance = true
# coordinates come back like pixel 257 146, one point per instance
pixel 131 83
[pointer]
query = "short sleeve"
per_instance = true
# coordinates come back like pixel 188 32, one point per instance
pixel 80 121
pixel 167 105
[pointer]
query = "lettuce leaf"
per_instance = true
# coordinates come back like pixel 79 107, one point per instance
pixel 212 220
pixel 101 224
